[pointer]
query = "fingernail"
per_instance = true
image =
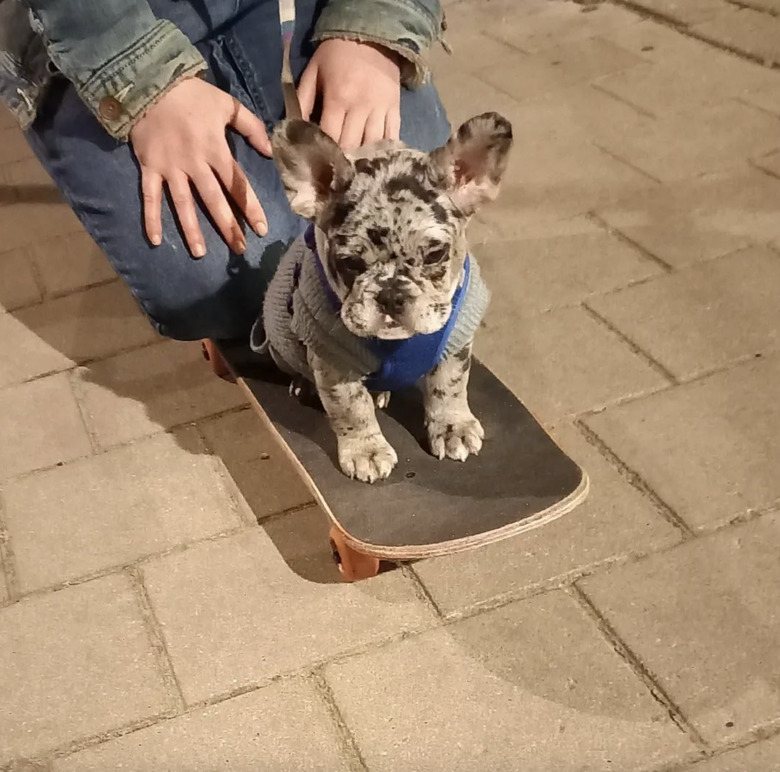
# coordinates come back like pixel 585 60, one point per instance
pixel 241 247
pixel 198 250
pixel 156 239
pixel 261 228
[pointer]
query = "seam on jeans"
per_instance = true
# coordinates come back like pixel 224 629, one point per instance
pixel 243 69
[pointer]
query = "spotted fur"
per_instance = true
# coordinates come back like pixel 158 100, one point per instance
pixel 391 232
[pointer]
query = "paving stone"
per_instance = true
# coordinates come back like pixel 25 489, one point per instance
pixel 114 508
pixel 554 170
pixel 686 11
pixel 771 163
pixel 471 50
pixel 4 595
pixel 700 219
pixel 25 765
pixel 704 317
pixel 708 79
pixel 19 287
pixel 772 6
pixel 664 45
pixel 615 520
pixel 465 96
pixel 234 613
pixel 563 362
pixel 70 263
pixel 560 23
pixel 260 469
pixel 137 393
pixel 24 222
pixel 726 135
pixel 28 440
pixel 530 686
pixel 525 76
pixel 282 727
pixel 75 663
pixel 758 757
pixel 746 30
pixel 13 145
pixel 481 233
pixel 704 619
pixel 558 181
pixel 767 98
pixel 25 354
pixel 709 448
pixel 31 180
pixel 90 324
pixel 560 270
pixel 575 116
pixel 490 15
pixel 7 119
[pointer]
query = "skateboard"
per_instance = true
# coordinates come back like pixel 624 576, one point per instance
pixel 520 480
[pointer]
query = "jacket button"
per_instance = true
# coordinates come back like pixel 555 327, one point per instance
pixel 109 108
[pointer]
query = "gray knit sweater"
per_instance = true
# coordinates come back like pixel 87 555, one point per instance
pixel 298 314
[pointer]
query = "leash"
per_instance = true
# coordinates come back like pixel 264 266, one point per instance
pixel 287 20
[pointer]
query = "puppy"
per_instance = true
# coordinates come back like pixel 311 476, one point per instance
pixel 381 293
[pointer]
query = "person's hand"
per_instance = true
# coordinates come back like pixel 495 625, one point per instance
pixel 360 85
pixel 181 141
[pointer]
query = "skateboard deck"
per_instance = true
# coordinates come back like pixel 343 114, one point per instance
pixel 427 507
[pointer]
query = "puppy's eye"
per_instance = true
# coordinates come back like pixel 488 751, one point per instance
pixel 353 264
pixel 431 258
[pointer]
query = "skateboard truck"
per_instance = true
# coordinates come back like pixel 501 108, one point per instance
pixel 218 364
pixel 353 565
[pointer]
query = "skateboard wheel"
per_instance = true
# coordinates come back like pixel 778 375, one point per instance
pixel 353 565
pixel 214 358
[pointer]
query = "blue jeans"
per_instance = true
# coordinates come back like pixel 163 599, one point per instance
pixel 220 295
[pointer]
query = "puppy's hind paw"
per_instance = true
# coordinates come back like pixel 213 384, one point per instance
pixel 455 437
pixel 382 399
pixel 304 391
pixel 367 459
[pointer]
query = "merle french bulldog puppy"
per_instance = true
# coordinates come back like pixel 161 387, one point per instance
pixel 389 238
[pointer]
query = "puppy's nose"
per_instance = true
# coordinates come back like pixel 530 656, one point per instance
pixel 390 301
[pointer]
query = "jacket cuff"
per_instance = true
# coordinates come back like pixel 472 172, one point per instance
pixel 407 27
pixel 120 92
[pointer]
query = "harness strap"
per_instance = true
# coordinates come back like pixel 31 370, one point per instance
pixel 402 361
pixel 287 20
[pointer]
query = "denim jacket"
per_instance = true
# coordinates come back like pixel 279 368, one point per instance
pixel 121 58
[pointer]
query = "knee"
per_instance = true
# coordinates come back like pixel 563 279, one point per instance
pixel 203 300
pixel 424 122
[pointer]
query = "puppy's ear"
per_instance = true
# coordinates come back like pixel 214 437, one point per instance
pixel 311 165
pixel 473 160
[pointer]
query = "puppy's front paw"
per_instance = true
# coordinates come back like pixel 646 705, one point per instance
pixel 382 399
pixel 368 458
pixel 456 437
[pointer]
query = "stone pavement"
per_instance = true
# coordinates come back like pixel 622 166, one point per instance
pixel 148 622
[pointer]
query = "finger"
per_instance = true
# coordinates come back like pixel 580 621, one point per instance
pixel 217 206
pixel 240 190
pixel 183 204
pixel 393 123
pixel 375 127
pixel 151 190
pixel 352 131
pixel 332 120
pixel 307 90
pixel 251 127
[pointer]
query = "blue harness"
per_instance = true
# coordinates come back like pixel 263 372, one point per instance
pixel 404 362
